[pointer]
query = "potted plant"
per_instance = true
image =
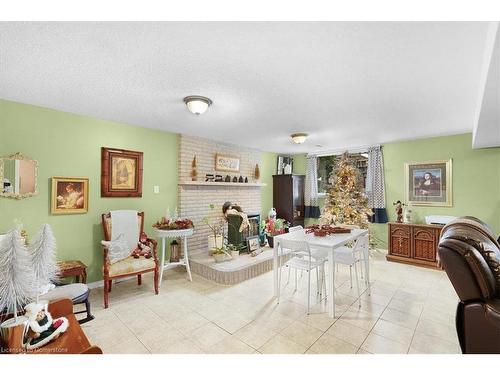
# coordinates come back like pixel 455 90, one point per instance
pixel 220 254
pixel 234 250
pixel 216 225
pixel 274 227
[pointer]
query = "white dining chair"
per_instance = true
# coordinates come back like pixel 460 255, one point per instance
pixel 351 256
pixel 301 259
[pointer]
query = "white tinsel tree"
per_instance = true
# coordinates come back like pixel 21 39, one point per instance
pixel 16 274
pixel 43 258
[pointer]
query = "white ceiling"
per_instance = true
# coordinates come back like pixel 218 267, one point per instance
pixel 347 84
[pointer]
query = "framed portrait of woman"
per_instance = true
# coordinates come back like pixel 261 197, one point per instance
pixel 70 195
pixel 429 183
pixel 121 173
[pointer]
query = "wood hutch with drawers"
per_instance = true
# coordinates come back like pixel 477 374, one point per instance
pixel 414 243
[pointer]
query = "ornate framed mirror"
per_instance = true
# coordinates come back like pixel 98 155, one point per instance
pixel 18 176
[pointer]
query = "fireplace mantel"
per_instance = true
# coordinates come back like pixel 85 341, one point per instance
pixel 232 184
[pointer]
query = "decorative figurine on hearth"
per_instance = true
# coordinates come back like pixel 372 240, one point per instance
pixel 42 329
pixel 399 211
pixel 233 209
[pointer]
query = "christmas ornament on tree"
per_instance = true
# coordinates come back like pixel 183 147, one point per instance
pixel 346 202
pixel 43 258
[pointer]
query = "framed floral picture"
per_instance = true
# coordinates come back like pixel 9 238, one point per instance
pixel 227 163
pixel 70 195
pixel 121 173
pixel 429 183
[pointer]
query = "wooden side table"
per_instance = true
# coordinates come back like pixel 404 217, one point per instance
pixel 75 268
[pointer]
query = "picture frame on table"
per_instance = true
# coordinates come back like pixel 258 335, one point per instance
pixel 252 243
pixel 69 195
pixel 121 173
pixel 429 183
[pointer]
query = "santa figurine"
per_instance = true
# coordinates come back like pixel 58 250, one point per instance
pixel 41 328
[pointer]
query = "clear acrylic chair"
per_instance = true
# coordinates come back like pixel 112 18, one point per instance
pixel 301 259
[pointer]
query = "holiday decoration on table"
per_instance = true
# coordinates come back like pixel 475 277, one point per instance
pixel 16 275
pixel 398 207
pixel 325 230
pixel 168 224
pixel 42 251
pixel 346 202
pixel 42 329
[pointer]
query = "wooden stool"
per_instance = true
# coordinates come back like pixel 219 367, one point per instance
pixel 75 268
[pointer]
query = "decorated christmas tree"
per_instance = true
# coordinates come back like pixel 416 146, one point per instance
pixel 346 202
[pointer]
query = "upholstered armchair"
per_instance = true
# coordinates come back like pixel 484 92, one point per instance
pixel 470 255
pixel 129 266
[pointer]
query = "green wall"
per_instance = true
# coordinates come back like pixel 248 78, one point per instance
pixel 70 145
pixel 476 178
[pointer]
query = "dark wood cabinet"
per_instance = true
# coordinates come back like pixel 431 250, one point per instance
pixel 414 243
pixel 288 197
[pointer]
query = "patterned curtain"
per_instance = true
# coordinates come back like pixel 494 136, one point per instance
pixel 375 187
pixel 311 190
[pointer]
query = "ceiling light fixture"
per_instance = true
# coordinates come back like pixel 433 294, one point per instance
pixel 197 104
pixel 299 137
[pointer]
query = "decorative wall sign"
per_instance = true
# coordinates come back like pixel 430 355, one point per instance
pixel 429 183
pixel 227 163
pixel 70 195
pixel 121 173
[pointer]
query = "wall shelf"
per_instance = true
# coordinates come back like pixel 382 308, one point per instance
pixel 233 184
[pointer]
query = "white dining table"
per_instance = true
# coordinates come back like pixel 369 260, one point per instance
pixel 328 243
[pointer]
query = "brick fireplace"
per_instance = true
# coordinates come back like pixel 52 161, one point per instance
pixel 195 197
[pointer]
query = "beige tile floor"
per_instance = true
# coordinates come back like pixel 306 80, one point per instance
pixel 410 310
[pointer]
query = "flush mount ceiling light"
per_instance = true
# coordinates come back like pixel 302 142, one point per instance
pixel 299 137
pixel 197 104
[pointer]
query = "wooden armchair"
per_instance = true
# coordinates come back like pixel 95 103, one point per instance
pixel 129 266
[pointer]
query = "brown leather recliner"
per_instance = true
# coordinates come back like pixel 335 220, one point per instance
pixel 470 256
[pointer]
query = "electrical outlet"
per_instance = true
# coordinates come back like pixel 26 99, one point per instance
pixel 156 189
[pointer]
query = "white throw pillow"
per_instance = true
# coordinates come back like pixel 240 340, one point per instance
pixel 118 248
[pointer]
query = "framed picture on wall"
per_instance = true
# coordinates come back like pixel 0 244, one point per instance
pixel 227 163
pixel 121 173
pixel 429 183
pixel 70 195
pixel 285 164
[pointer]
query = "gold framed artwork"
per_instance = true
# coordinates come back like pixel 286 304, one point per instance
pixel 429 183
pixel 121 173
pixel 227 163
pixel 70 195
